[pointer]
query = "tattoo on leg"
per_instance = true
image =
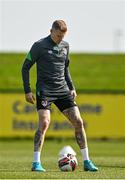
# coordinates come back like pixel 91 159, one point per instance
pixel 37 140
pixel 73 115
pixel 80 139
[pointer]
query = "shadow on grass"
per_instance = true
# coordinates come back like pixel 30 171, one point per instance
pixel 58 171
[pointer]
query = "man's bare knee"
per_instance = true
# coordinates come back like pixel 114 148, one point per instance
pixel 45 124
pixel 44 120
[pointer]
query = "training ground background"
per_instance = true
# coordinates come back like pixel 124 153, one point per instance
pixel 93 73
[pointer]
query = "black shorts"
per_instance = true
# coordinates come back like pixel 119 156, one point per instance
pixel 62 102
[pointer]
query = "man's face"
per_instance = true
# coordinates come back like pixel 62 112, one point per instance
pixel 57 35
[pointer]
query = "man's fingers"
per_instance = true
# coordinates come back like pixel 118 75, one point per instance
pixel 30 98
pixel 73 93
pixel 31 101
pixel 33 97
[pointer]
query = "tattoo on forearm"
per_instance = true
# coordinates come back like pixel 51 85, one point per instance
pixel 37 141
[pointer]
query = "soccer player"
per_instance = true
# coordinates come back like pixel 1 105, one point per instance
pixel 54 85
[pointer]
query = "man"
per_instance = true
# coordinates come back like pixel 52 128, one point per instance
pixel 54 85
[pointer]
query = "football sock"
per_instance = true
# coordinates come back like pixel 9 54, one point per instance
pixel 36 156
pixel 85 153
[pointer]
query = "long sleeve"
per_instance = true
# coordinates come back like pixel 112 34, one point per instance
pixel 25 75
pixel 28 63
pixel 68 78
pixel 67 74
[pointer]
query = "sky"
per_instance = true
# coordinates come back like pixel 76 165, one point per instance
pixel 93 25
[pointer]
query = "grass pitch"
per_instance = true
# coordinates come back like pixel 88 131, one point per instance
pixel 16 158
pixel 89 71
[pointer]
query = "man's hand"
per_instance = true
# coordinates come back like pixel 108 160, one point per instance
pixel 73 93
pixel 30 98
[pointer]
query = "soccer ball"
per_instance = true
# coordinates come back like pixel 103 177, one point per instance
pixel 67 162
